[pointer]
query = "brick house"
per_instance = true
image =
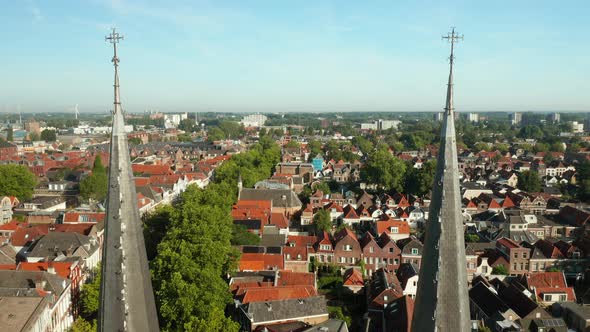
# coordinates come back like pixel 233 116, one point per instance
pixel 517 256
pixel 347 250
pixel 411 251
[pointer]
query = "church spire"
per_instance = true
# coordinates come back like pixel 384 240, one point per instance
pixel 442 299
pixel 126 295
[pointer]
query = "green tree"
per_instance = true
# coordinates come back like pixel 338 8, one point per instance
pixel 82 325
pixel 241 236
pixel 323 186
pixel 48 135
pixel 10 134
pixel 155 226
pixel 384 170
pixel 322 221
pixel 540 147
pixel 17 180
pixel 215 134
pixel 337 313
pixel 419 181
pixel 90 297
pixel 315 148
pixel 500 269
pixel 135 140
pixel 472 238
pixel 292 144
pixel 529 181
pixel 531 131
pixel 188 125
pixel 95 186
pixel 34 136
pixel 192 257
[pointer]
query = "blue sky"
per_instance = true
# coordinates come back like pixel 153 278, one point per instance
pixel 279 55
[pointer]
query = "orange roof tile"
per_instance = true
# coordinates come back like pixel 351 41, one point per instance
pixel 264 294
pixel 385 226
pixel 63 269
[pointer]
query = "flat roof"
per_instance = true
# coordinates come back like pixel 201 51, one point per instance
pixel 15 312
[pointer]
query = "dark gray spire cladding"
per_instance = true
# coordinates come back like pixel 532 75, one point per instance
pixel 442 299
pixel 126 295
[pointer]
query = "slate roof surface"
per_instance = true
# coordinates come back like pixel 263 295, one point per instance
pixel 286 309
pixel 274 195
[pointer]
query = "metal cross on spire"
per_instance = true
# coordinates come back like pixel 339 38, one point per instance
pixel 453 38
pixel 114 39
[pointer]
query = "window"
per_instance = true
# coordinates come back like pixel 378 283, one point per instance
pixel 394 230
pixel 391 250
pixel 515 255
pixel 562 297
pixel 414 251
pixel 342 259
pixel 347 247
pixel 414 283
pixel 351 260
pixel 396 261
pixel 535 266
pixel 484 269
pixel 288 256
pixel 547 297
pixel 298 257
pixel 370 260
pixel 371 249
pixel 524 255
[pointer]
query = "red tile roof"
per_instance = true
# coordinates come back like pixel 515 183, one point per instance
pixel 264 294
pixel 75 217
pixel 290 278
pixel 353 277
pixel 549 282
pixel 508 243
pixel 63 269
pixel 280 220
pixel 260 262
pixel 385 226
pixel 152 169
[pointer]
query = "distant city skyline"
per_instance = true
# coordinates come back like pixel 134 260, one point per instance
pixel 320 56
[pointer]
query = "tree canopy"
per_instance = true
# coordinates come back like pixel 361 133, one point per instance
pixel 384 170
pixel 192 257
pixel 322 221
pixel 500 269
pixel 194 249
pixel 419 180
pixel 17 180
pixel 529 181
pixel 10 134
pixel 241 236
pixel 49 135
pixel 95 186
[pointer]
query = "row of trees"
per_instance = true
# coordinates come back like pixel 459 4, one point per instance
pixel 193 240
